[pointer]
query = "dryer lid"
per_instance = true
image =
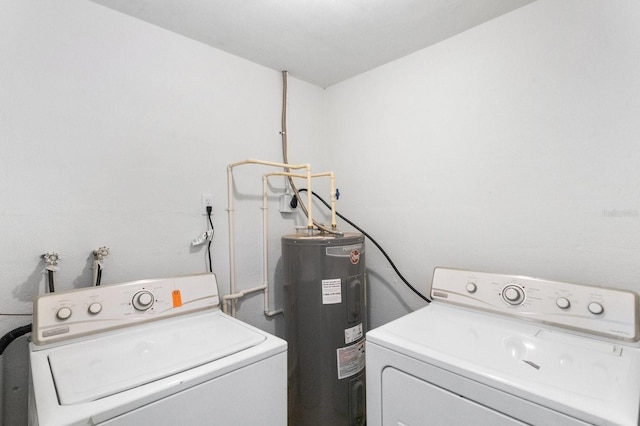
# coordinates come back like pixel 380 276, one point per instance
pixel 579 376
pixel 99 367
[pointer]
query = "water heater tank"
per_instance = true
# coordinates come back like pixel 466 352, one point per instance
pixel 325 325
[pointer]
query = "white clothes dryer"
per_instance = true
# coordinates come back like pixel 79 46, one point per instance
pixel 507 350
pixel 152 352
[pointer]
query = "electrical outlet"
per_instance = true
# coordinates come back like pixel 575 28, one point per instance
pixel 207 200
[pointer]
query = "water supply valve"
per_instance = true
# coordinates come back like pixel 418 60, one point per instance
pixel 51 259
pixel 51 266
pixel 100 254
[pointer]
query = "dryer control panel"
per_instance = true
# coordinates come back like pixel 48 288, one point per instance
pixel 606 312
pixel 76 313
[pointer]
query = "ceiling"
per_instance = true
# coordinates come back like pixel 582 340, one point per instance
pixel 322 42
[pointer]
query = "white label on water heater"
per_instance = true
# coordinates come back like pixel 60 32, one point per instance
pixel 352 334
pixel 350 360
pixel 331 291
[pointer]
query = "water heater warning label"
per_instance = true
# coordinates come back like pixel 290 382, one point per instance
pixel 331 291
pixel 350 360
pixel 352 334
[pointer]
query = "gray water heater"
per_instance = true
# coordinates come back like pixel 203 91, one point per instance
pixel 325 326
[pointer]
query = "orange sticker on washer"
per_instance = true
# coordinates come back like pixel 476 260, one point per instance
pixel 177 298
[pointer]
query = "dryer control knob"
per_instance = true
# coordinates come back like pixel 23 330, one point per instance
pixel 95 308
pixel 142 300
pixel 563 303
pixel 472 287
pixel 63 313
pixel 596 308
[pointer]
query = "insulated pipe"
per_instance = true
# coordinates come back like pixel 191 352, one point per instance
pixel 265 244
pixel 284 166
pixel 235 296
pixel 332 180
pixel 265 249
pixel 334 223
pixel 265 241
pixel 232 266
pixel 232 262
pixel 265 229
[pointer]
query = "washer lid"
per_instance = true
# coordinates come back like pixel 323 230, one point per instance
pixel 99 367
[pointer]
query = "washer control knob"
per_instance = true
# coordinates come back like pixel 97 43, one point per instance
pixel 95 308
pixel 63 313
pixel 513 295
pixel 596 308
pixel 142 300
pixel 472 287
pixel 563 303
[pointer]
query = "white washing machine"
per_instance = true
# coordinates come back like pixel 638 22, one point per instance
pixel 507 350
pixel 153 352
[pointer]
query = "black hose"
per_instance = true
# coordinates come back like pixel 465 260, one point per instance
pixel 209 210
pixel 51 286
pixel 384 253
pixel 13 335
pixel 99 275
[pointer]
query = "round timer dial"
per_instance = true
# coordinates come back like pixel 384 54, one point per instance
pixel 513 294
pixel 142 300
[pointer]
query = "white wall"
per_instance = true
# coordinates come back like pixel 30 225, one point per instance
pixel 513 147
pixel 110 130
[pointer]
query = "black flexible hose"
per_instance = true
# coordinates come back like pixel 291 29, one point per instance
pixel 51 286
pixel 209 210
pixel 384 253
pixel 13 335
pixel 99 275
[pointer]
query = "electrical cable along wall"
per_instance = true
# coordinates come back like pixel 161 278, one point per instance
pixel 325 325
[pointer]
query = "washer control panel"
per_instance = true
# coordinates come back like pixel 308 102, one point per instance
pixel 76 313
pixel 607 312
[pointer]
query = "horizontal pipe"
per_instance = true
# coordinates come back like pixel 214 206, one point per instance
pixel 314 175
pixel 269 163
pixel 273 313
pixel 243 293
pixel 334 223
